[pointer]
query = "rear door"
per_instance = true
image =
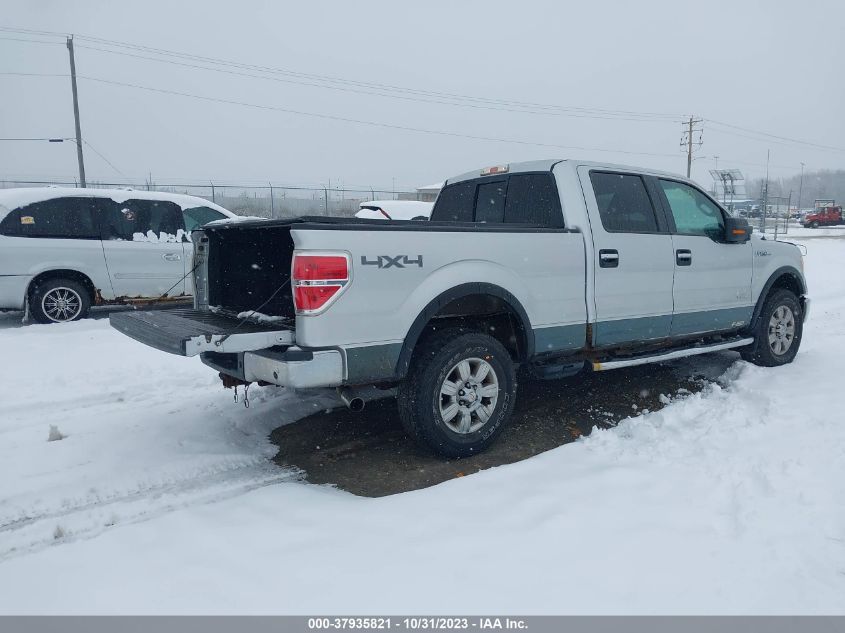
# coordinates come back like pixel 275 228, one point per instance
pixel 143 245
pixel 633 270
pixel 712 289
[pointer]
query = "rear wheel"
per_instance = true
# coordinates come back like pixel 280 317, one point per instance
pixel 777 335
pixel 814 224
pixel 459 392
pixel 56 300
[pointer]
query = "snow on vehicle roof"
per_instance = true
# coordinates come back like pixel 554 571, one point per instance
pixel 18 197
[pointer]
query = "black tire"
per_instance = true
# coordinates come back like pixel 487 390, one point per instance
pixel 762 352
pixel 78 297
pixel 420 399
pixel 814 225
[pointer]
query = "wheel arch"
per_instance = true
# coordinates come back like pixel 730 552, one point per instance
pixel 63 273
pixel 787 277
pixel 466 298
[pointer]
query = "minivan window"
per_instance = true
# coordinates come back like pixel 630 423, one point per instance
pixel 143 221
pixel 455 203
pixel 490 201
pixel 59 218
pixel 533 199
pixel 624 204
pixel 693 212
pixel 197 216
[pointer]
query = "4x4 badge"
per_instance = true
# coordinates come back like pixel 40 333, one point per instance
pixel 392 261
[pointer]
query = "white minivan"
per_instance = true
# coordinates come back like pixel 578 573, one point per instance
pixel 63 250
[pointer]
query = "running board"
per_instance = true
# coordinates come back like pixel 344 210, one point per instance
pixel 680 353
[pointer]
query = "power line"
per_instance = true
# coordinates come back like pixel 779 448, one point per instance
pixel 110 164
pixel 391 126
pixel 775 136
pixel 419 99
pixel 347 82
pixel 53 139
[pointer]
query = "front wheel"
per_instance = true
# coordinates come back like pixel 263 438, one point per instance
pixel 459 392
pixel 777 335
pixel 814 225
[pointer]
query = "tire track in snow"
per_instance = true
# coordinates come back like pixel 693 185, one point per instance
pixel 54 526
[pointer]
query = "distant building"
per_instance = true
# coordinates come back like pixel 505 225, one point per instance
pixel 429 192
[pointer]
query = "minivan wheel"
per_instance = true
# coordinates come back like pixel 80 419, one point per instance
pixel 58 300
pixel 777 335
pixel 459 392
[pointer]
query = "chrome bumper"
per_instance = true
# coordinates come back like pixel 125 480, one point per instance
pixel 294 367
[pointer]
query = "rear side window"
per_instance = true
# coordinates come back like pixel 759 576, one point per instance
pixel 518 199
pixel 143 221
pixel 198 216
pixel 455 203
pixel 59 218
pixel 533 199
pixel 624 204
pixel 490 202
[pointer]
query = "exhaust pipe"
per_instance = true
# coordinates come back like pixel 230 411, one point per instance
pixel 352 401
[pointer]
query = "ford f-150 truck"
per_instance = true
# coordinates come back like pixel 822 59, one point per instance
pixel 559 266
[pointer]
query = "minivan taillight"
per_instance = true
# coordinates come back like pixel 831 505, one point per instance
pixel 318 280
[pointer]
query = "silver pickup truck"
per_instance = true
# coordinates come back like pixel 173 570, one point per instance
pixel 560 266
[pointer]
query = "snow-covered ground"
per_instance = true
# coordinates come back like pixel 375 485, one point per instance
pixel 161 498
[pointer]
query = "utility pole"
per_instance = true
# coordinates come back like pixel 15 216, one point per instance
pixel 688 140
pixel 801 187
pixel 76 114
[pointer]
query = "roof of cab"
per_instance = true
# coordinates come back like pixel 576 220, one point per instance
pixel 549 164
pixel 17 197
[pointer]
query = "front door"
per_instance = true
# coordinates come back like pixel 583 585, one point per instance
pixel 712 289
pixel 143 245
pixel 633 258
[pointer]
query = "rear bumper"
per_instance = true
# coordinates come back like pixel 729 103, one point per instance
pixel 294 367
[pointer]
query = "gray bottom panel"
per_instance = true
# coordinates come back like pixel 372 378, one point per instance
pixel 711 320
pixel 559 338
pixel 371 363
pixel 629 330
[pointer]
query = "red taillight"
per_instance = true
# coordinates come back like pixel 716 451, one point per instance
pixel 318 280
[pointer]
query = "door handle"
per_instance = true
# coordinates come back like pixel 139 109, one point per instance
pixel 683 257
pixel 608 258
pixel 171 257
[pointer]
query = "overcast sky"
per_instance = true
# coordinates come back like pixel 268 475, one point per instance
pixel 774 67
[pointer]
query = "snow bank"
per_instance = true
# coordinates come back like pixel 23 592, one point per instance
pixel 727 501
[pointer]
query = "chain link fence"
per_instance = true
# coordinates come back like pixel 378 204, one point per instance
pixel 268 201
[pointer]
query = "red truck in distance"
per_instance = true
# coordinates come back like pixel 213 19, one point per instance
pixel 825 213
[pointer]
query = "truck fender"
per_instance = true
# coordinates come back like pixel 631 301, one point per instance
pixel 793 278
pixel 443 299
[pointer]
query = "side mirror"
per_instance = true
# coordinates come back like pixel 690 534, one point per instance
pixel 737 230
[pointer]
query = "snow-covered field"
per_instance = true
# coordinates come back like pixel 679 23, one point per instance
pixel 161 498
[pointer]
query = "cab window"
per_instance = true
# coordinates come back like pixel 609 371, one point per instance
pixel 455 203
pixel 693 212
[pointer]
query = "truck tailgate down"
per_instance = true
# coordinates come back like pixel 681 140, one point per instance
pixel 188 332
